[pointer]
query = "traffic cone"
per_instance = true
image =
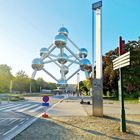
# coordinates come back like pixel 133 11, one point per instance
pixel 45 115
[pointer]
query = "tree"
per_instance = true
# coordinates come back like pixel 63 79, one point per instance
pixel 40 83
pixel 110 77
pixel 131 73
pixel 51 86
pixel 85 85
pixel 21 82
pixel 5 77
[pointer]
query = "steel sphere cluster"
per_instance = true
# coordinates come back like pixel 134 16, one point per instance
pixel 37 64
pixel 61 58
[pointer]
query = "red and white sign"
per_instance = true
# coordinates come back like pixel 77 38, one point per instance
pixel 45 99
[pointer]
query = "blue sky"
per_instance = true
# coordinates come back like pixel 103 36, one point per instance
pixel 28 25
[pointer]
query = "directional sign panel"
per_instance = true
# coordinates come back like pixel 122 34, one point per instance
pixel 121 61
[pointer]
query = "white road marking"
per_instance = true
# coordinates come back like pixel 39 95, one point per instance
pixel 2 120
pixel 12 121
pixel 21 122
pixel 9 106
pixel 10 130
pixel 21 110
pixel 33 110
pixel 16 107
pixel 5 105
pixel 28 123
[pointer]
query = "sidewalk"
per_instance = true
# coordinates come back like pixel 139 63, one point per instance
pixel 68 107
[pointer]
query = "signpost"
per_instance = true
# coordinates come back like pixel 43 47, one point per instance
pixel 45 104
pixel 118 63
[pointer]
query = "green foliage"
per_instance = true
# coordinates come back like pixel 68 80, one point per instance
pixel 110 77
pixel 85 85
pixel 21 82
pixel 51 86
pixel 131 73
pixel 5 78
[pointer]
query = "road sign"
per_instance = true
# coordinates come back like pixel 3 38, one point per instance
pixel 121 61
pixel 45 104
pixel 45 98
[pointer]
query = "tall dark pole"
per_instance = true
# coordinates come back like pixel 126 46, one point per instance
pixel 123 121
pixel 92 59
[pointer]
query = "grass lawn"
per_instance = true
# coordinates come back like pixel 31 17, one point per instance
pixel 19 97
pixel 126 99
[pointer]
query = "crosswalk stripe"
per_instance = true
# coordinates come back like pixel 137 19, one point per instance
pixel 21 110
pixel 12 121
pixel 17 107
pixel 10 106
pixel 5 105
pixel 10 130
pixel 33 110
pixel 2 120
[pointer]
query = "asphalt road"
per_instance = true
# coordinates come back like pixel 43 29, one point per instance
pixel 14 116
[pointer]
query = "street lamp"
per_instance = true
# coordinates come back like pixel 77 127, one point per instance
pixel 11 86
pixel 97 84
pixel 78 80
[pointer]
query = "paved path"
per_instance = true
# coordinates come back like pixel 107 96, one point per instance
pixel 113 107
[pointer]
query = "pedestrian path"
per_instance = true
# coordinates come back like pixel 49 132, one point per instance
pixel 21 107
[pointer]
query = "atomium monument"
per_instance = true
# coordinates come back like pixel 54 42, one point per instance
pixel 62 58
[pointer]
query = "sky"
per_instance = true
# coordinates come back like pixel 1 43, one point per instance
pixel 26 26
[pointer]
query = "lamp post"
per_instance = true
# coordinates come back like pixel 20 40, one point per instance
pixel 97 84
pixel 30 86
pixel 78 79
pixel 11 86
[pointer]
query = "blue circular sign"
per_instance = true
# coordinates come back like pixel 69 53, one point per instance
pixel 45 99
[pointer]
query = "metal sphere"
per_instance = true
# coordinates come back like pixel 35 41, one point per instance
pixel 60 40
pixel 44 52
pixel 66 70
pixel 37 64
pixel 63 31
pixel 85 64
pixel 83 53
pixel 62 58
pixel 62 82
